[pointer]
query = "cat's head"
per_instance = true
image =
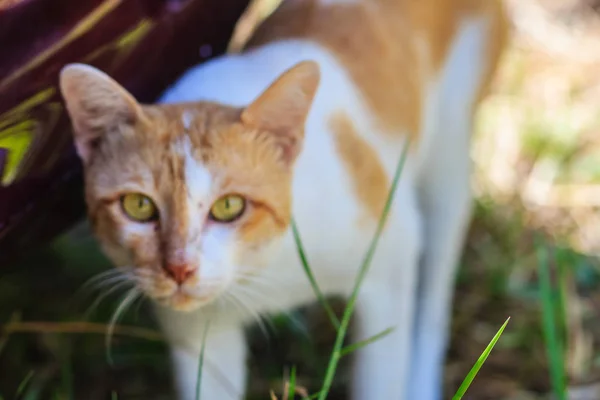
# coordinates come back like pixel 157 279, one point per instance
pixel 191 198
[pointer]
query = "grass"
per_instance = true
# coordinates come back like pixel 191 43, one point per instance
pixel 201 362
pixel 552 306
pixel 311 277
pixel 24 384
pixel 480 361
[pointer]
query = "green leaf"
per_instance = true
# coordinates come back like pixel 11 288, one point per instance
pixel 201 362
pixel 292 386
pixel 554 349
pixel 300 248
pixel 358 345
pixel 24 383
pixel 473 372
pixel 67 375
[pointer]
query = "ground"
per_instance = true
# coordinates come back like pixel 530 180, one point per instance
pixel 537 181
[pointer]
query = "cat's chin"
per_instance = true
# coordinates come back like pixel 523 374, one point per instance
pixel 182 302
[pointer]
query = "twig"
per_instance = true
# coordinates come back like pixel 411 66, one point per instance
pixel 80 327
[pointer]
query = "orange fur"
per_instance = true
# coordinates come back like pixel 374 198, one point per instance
pixel 369 179
pixel 390 48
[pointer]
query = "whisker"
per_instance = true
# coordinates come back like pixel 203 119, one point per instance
pixel 140 301
pixel 120 310
pixel 266 296
pixel 106 274
pixel 258 318
pixel 102 296
pixel 95 282
pixel 111 281
pixel 227 298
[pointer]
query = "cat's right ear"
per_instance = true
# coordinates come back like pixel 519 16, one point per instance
pixel 96 104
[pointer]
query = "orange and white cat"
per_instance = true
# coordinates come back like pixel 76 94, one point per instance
pixel 192 198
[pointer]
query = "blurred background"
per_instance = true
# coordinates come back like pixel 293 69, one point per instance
pixel 531 254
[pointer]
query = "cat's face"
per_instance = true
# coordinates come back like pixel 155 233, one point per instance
pixel 192 198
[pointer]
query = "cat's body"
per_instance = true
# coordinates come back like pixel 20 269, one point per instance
pixel 390 71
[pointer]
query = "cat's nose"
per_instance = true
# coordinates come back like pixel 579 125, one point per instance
pixel 179 272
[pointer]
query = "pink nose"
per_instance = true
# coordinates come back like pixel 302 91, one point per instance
pixel 179 272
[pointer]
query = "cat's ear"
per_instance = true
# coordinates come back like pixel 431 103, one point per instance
pixel 96 105
pixel 283 107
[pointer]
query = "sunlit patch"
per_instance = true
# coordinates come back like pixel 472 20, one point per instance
pixel 16 139
pixel 3 160
pixel 123 45
pixel 19 131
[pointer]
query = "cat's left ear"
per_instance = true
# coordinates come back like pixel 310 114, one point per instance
pixel 96 104
pixel 283 107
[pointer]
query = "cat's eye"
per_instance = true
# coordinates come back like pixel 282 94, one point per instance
pixel 139 207
pixel 228 208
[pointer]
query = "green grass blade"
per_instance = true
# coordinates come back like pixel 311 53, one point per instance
pixel 313 282
pixel 364 268
pixel 553 346
pixel 24 383
pixel 561 302
pixel 33 393
pixel 292 385
pixel 358 345
pixel 15 317
pixel 67 375
pixel 314 396
pixel 201 362
pixel 475 369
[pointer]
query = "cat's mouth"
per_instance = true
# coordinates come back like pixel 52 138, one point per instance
pixel 183 298
pixel 184 302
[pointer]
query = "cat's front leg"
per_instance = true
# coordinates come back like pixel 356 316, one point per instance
pixel 224 368
pixel 381 368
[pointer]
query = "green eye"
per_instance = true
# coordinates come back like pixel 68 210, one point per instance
pixel 138 207
pixel 228 208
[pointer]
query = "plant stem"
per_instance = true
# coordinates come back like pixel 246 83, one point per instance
pixel 364 268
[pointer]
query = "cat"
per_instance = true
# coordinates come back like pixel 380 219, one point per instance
pixel 193 197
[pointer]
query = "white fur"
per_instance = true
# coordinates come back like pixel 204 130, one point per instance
pixel 432 201
pixel 444 190
pixel 187 119
pixel 198 179
pixel 211 247
pixel 198 182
